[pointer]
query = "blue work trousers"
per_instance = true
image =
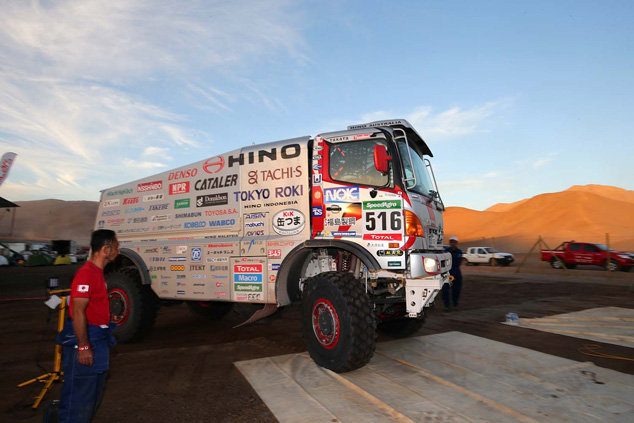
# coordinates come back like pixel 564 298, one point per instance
pixel 452 294
pixel 82 390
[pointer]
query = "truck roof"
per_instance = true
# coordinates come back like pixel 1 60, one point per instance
pixel 412 135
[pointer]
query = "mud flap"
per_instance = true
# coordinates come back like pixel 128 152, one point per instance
pixel 265 311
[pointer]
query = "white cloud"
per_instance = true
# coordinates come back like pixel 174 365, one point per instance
pixel 452 122
pixel 157 152
pixel 544 160
pixel 72 74
pixel 134 164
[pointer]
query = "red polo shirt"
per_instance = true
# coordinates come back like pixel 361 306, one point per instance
pixel 89 282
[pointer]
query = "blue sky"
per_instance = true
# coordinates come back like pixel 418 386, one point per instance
pixel 514 98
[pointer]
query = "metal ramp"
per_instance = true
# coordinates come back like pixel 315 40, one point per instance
pixel 449 377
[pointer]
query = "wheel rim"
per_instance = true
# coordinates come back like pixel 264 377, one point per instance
pixel 119 306
pixel 556 264
pixel 612 266
pixel 325 323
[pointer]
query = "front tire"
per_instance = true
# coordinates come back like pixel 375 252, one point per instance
pixel 133 306
pixel 465 262
pixel 338 322
pixel 212 310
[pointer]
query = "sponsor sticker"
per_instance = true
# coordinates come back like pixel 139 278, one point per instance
pixel 196 254
pixel 82 288
pixel 393 263
pixel 177 268
pixel 341 194
pixel 179 188
pixel 149 186
pixel 181 204
pixel 289 222
pixel 177 259
pixel 247 287
pixel 212 200
pixel 318 211
pixel 111 203
pixel 153 197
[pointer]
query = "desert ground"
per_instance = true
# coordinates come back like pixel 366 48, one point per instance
pixel 184 372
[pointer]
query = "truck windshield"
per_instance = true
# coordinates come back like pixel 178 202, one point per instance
pixel 490 250
pixel 603 247
pixel 422 184
pixel 353 163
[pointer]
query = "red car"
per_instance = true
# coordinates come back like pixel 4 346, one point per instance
pixel 573 253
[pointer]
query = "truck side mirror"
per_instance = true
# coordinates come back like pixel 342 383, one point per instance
pixel 381 158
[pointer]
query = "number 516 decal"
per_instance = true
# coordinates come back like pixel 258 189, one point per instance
pixel 383 216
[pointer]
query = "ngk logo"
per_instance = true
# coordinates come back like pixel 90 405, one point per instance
pixel 342 194
pixel 179 188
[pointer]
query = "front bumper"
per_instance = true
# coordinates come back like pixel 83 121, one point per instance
pixel 425 280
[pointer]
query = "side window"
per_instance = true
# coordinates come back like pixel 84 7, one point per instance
pixel 471 250
pixel 353 163
pixel 590 248
pixel 575 247
pixel 481 251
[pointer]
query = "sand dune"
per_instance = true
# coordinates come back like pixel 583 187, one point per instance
pixel 582 213
pixel 579 213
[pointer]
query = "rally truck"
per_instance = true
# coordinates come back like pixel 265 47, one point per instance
pixel 571 253
pixel 349 223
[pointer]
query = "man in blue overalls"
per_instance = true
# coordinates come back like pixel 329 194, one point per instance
pixel 87 335
pixel 456 285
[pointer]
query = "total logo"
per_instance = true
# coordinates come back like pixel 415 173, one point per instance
pixel 214 164
pixel 341 194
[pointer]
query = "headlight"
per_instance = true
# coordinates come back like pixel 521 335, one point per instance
pixel 431 265
pixel 624 256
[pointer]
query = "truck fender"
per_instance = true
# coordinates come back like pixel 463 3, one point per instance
pixel 292 265
pixel 138 262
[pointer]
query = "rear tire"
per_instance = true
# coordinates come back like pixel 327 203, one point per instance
pixel 338 322
pixel 492 262
pixel 612 266
pixel 212 310
pixel 133 306
pixel 555 264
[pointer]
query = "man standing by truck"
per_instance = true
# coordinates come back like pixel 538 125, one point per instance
pixel 87 335
pixel 456 285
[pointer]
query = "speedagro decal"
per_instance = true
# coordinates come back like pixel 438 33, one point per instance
pixel 289 222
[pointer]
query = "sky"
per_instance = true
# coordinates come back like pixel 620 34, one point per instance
pixel 514 98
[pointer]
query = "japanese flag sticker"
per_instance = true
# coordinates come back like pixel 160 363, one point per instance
pixel 82 288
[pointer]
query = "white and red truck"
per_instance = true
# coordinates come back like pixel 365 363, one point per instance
pixel 348 222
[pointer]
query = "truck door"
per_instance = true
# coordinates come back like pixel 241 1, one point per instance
pixel 360 204
pixel 593 254
pixel 576 254
pixel 482 256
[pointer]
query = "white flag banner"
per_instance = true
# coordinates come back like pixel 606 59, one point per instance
pixel 5 165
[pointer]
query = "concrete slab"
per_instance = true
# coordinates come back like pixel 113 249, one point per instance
pixel 613 325
pixel 449 377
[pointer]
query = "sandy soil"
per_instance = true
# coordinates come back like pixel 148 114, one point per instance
pixel 184 372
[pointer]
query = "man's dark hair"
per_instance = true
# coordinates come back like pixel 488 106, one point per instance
pixel 100 238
